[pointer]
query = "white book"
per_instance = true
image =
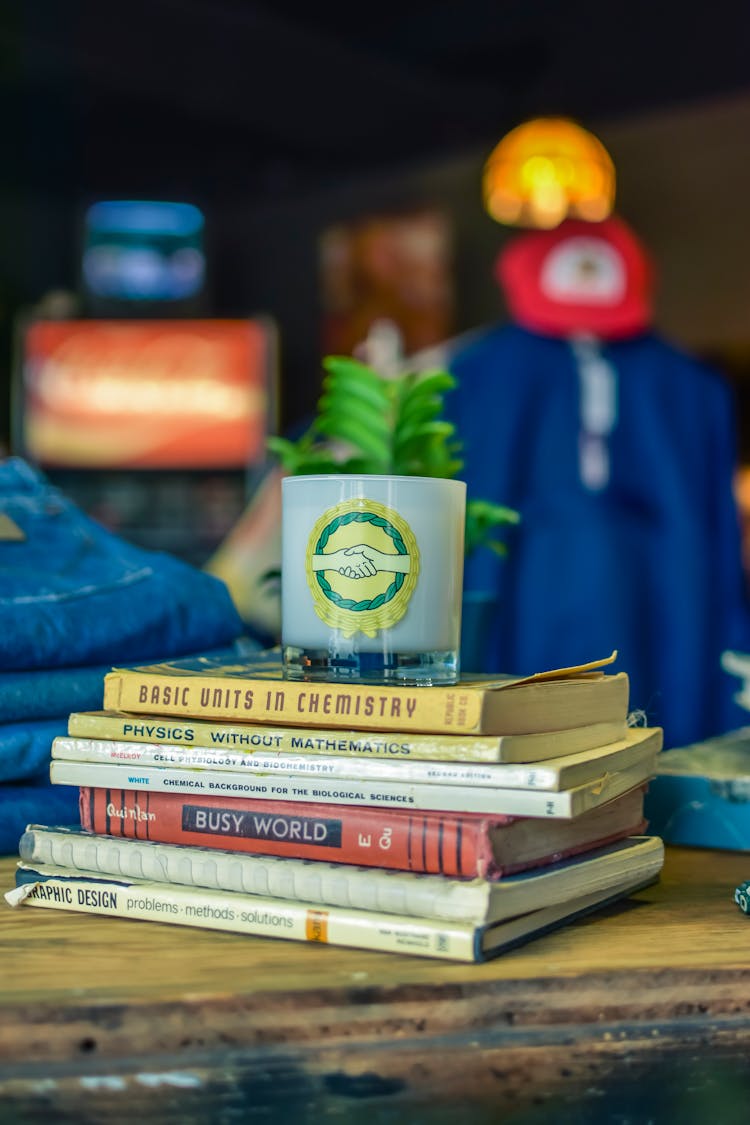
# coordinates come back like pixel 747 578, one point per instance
pixel 362 791
pixel 90 893
pixel 554 774
pixel 338 884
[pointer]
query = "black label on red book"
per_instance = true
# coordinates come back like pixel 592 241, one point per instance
pixel 283 828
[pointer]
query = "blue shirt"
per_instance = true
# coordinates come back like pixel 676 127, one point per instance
pixel 645 560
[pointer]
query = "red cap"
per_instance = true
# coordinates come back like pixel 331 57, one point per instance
pixel 579 277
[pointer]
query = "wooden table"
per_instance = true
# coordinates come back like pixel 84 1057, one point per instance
pixel 640 1014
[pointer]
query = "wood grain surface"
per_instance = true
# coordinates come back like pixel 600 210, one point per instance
pixel 99 1012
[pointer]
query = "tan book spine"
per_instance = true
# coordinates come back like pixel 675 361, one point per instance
pixel 263 917
pixel 300 921
pixel 469 708
pixel 303 704
pixel 330 741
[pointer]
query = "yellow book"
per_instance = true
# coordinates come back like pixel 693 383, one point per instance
pixel 256 692
pixel 362 746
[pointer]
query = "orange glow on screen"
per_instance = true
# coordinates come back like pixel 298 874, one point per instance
pixel 146 394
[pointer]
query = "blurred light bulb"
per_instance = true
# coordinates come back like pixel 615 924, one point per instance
pixel 547 170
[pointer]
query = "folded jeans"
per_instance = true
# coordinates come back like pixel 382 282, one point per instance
pixel 73 593
pixel 25 748
pixel 47 693
pixel 34 803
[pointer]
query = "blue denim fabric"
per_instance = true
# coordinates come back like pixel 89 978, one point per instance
pixel 72 593
pixel 25 747
pixel 42 694
pixel 43 700
pixel 34 803
pixel 47 694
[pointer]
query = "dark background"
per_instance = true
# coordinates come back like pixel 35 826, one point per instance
pixel 279 118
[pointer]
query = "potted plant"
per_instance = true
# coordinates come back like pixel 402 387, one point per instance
pixel 371 425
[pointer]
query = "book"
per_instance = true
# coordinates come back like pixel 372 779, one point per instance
pixel 368 745
pixel 363 791
pixel 88 893
pixel 255 691
pixel 461 845
pixel 337 884
pixel 701 793
pixel 554 775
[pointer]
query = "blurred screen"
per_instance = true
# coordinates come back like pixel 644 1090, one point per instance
pixel 394 270
pixel 137 250
pixel 153 394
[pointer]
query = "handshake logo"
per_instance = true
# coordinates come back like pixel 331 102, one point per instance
pixel 362 565
pixel 362 561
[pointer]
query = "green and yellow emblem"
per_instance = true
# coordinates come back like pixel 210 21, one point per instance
pixel 362 565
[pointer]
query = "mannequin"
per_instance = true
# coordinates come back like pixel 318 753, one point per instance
pixel 618 451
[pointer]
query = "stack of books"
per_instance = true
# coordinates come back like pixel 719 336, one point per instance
pixel 450 822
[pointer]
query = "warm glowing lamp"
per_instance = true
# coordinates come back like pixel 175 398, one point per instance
pixel 547 170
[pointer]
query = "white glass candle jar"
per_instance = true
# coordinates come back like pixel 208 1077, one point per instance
pixel 372 575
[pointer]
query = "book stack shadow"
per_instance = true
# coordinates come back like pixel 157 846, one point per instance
pixel 450 822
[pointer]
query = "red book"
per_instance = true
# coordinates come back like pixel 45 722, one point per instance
pixel 457 845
